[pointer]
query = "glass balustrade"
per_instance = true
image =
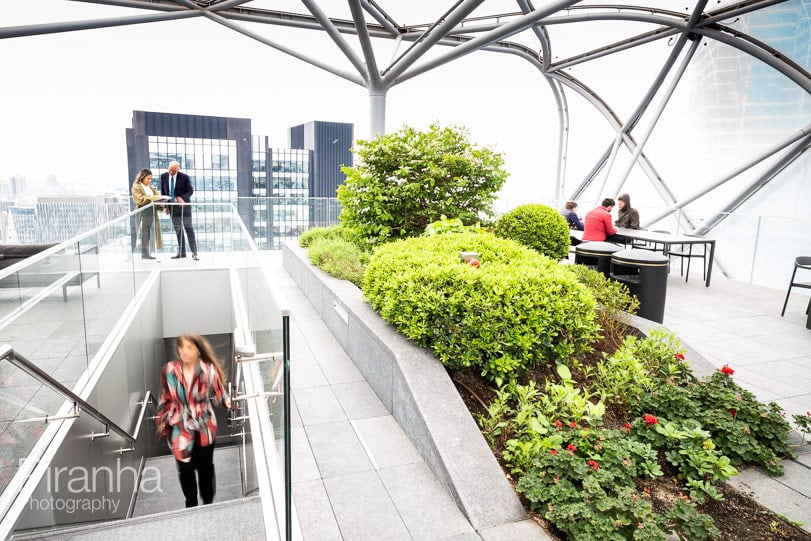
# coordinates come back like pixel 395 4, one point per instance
pixel 58 308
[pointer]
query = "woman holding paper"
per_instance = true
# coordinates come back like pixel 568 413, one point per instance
pixel 144 194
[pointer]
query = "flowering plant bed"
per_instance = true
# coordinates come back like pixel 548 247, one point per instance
pixel 629 473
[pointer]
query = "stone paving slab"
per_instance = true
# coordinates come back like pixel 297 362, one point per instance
pixel 525 530
pixel 358 400
pixel 774 494
pixel 385 442
pixel 318 405
pixel 427 510
pixel 363 508
pixel 315 511
pixel 337 450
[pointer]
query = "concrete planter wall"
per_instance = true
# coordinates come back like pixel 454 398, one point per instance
pixel 416 389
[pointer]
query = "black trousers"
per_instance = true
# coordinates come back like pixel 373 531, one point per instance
pixel 182 223
pixel 202 461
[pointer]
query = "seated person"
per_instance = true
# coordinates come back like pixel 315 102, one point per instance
pixel 598 224
pixel 570 214
pixel 628 217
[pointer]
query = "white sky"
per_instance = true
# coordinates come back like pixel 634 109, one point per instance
pixel 67 98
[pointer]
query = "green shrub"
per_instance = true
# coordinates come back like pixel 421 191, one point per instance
pixel 332 232
pixel 614 300
pixel 407 179
pixel 742 428
pixel 537 226
pixel 516 310
pixel 338 257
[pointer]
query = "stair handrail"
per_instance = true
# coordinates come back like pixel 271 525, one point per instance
pixel 7 353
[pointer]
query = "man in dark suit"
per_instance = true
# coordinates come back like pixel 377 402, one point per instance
pixel 178 187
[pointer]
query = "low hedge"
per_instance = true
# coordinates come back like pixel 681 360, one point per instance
pixel 512 311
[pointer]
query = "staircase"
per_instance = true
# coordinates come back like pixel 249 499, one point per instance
pixel 160 514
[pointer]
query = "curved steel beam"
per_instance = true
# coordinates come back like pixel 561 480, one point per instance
pixel 337 38
pixel 72 26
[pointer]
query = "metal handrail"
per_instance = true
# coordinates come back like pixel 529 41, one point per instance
pixel 7 353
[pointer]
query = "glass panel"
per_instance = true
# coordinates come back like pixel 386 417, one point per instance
pixel 23 402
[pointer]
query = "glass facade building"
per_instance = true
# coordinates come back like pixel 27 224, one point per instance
pixel 227 163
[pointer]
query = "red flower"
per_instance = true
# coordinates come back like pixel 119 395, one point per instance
pixel 650 419
pixel 573 424
pixel 553 452
pixel 679 356
pixel 571 448
pixel 726 370
pixel 628 427
pixel 558 423
pixel 472 261
pixel 733 412
pixel 593 464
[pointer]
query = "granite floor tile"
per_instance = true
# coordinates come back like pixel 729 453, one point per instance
pixel 385 442
pixel 363 508
pixel 426 508
pixel 304 466
pixel 318 405
pixel 314 512
pixel 337 450
pixel 339 368
pixel 305 372
pixel 359 400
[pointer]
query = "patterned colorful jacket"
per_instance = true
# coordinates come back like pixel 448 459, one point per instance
pixel 184 417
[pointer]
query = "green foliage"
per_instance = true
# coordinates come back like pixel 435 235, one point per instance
pixel 638 367
pixel 689 449
pixel 444 225
pixel 539 227
pixel 614 302
pixel 741 427
pixel 622 378
pixel 332 232
pixel 516 310
pixel 586 487
pixel 407 179
pixel 685 520
pixel 338 257
pixel 610 294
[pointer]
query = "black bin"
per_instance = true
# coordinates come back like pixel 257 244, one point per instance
pixel 645 274
pixel 596 255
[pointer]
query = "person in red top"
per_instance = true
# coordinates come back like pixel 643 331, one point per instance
pixel 186 417
pixel 598 225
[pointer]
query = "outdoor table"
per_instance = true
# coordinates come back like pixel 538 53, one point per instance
pixel 668 239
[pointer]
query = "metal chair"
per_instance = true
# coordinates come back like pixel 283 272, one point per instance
pixel 689 251
pixel 801 262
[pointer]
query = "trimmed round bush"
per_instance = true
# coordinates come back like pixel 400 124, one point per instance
pixel 537 226
pixel 505 312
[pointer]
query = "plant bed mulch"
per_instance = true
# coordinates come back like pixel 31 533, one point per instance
pixel 738 516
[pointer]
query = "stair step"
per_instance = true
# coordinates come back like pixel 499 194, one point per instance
pixel 237 519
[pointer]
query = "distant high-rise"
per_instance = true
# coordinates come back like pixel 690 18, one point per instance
pixel 226 163
pixel 330 143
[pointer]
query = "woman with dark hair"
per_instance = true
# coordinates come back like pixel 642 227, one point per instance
pixel 570 215
pixel 186 417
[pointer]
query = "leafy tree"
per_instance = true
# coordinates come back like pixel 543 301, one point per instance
pixel 408 179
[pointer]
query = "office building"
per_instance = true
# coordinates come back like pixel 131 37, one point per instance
pixel 230 165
